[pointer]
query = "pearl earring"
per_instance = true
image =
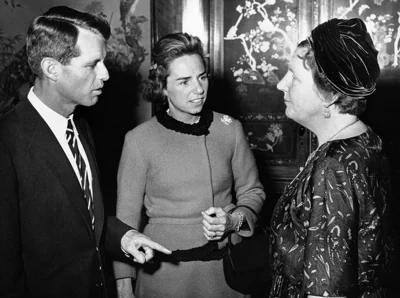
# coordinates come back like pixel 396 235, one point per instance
pixel 327 113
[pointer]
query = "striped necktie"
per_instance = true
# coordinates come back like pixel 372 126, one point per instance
pixel 84 175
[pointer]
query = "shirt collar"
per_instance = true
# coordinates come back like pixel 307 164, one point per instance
pixel 56 122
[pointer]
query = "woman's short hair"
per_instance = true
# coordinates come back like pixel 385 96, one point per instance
pixel 165 51
pixel 343 62
pixel 55 33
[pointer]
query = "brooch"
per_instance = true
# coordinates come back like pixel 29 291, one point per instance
pixel 226 120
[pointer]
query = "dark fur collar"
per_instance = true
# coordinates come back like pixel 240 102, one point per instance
pixel 196 129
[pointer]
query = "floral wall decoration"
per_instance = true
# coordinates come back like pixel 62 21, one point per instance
pixel 260 39
pixel 125 50
pixel 264 43
pixel 14 71
pixel 382 18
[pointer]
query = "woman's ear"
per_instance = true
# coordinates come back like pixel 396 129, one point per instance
pixel 335 97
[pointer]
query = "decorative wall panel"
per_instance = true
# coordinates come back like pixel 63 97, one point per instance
pixel 382 18
pixel 258 41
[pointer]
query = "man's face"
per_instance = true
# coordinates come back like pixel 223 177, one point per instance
pixel 81 80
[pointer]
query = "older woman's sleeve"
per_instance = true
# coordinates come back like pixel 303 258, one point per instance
pixel 343 243
pixel 372 199
pixel 131 185
pixel 248 188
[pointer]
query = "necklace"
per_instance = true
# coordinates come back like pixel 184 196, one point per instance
pixel 343 128
pixel 330 139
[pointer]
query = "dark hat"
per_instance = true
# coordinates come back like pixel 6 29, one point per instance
pixel 345 53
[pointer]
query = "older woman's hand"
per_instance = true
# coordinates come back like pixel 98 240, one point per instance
pixel 216 222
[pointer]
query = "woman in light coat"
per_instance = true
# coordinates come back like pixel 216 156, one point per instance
pixel 189 169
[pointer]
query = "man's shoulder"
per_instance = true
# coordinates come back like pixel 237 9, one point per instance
pixel 8 122
pixel 17 120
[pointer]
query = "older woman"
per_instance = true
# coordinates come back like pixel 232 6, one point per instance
pixel 181 167
pixel 327 228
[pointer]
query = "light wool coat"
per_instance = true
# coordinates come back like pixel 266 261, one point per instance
pixel 174 177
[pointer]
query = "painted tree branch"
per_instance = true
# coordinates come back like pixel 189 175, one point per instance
pixel 348 9
pixel 265 25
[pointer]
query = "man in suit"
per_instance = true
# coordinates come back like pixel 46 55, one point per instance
pixel 52 224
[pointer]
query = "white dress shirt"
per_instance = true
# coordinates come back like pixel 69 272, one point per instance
pixel 58 125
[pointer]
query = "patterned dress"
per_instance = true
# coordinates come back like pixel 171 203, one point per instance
pixel 327 227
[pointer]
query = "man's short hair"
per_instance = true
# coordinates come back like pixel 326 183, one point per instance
pixel 55 33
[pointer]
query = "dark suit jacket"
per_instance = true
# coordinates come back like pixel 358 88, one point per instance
pixel 47 246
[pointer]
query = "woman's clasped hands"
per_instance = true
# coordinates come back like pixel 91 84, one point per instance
pixel 217 222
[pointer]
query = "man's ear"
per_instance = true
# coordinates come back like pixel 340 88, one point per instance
pixel 51 68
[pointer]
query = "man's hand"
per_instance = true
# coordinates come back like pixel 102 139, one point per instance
pixel 140 246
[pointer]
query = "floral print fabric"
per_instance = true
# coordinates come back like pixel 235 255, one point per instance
pixel 326 229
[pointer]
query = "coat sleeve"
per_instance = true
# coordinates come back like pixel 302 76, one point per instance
pixel 343 252
pixel 115 230
pixel 131 183
pixel 12 275
pixel 248 188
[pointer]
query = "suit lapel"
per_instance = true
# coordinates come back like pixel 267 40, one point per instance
pixel 43 146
